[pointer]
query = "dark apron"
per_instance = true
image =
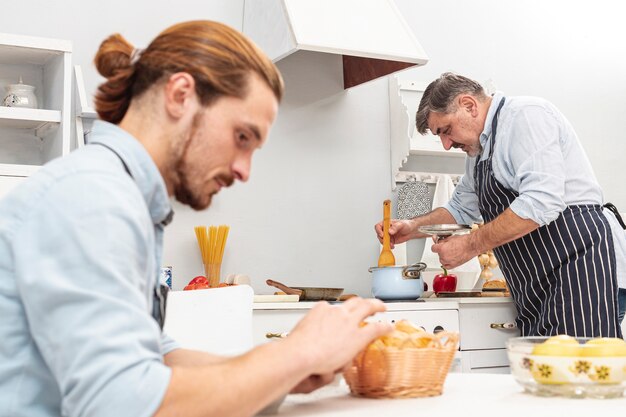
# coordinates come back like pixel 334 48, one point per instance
pixel 562 275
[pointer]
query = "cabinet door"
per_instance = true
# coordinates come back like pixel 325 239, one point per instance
pixel 478 321
pixel 431 320
pixel 7 184
pixel 266 322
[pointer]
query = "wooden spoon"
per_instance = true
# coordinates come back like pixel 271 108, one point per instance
pixel 386 257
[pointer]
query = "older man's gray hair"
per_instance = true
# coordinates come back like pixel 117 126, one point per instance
pixel 440 94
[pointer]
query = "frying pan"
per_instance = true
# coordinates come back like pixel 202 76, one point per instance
pixel 308 293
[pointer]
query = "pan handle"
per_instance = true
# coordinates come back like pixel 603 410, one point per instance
pixel 413 271
pixel 283 287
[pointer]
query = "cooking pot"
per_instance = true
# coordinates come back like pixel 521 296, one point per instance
pixel 398 282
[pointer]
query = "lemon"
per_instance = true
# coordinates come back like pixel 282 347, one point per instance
pixel 561 345
pixel 545 370
pixel 604 346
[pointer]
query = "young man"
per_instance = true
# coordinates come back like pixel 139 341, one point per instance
pixel 81 243
pixel 528 178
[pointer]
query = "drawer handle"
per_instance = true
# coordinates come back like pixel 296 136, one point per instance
pixel 503 325
pixel 276 335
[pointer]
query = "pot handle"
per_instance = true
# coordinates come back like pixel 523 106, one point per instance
pixel 413 271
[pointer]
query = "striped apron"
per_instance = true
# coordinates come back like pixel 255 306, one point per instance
pixel 562 275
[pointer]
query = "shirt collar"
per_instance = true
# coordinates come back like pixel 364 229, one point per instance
pixel 141 166
pixel 486 133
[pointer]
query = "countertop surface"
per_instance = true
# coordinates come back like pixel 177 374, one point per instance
pixel 422 304
pixel 483 395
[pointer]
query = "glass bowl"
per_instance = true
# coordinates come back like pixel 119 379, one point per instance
pixel 569 367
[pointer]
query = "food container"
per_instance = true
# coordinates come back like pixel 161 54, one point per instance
pixel 20 95
pixel 569 367
pixel 401 371
pixel 398 282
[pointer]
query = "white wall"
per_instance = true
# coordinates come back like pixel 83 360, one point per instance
pixel 306 216
pixel 571 52
pixel 88 22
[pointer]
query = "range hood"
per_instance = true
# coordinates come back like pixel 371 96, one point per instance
pixel 348 41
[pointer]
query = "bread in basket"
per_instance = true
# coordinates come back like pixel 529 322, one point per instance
pixel 406 363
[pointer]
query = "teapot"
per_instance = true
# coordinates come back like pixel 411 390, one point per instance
pixel 20 95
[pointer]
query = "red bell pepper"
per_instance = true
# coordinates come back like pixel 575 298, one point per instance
pixel 444 282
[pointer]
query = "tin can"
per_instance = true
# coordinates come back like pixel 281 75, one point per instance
pixel 166 276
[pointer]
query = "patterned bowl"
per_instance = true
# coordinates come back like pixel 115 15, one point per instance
pixel 569 367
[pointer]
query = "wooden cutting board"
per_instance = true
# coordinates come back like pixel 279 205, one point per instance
pixel 271 298
pixel 473 294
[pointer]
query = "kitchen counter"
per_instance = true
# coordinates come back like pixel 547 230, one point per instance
pixel 431 303
pixel 469 300
pixel 483 395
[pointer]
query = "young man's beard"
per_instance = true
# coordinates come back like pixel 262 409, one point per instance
pixel 183 190
pixel 185 195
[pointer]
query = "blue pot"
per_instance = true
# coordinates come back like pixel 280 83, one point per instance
pixel 398 282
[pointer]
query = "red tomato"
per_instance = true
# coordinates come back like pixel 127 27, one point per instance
pixel 200 279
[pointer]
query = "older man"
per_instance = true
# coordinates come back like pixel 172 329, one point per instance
pixel 528 178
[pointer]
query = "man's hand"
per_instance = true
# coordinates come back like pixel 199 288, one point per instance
pixel 399 231
pixel 312 383
pixel 331 335
pixel 508 226
pixel 454 251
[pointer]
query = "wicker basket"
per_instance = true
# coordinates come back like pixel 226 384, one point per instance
pixel 402 372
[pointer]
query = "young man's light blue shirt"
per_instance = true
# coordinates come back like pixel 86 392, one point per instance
pixel 537 154
pixel 80 249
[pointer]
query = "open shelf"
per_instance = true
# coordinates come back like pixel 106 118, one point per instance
pixel 29 138
pixel 17 170
pixel 23 118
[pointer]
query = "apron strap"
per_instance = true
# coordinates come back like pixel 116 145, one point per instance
pixel 160 291
pixel 618 216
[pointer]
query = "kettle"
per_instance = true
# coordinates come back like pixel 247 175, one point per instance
pixel 20 95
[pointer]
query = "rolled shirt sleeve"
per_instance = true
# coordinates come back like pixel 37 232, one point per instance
pixel 463 205
pixel 534 164
pixel 87 304
pixel 168 344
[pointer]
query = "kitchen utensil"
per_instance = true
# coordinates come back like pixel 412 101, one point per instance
pixel 442 231
pixel 455 294
pixel 398 282
pixel 386 257
pixel 308 293
pixel 20 95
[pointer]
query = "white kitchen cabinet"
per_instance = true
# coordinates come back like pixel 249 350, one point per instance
pixel 482 347
pixel 485 327
pixel 31 137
